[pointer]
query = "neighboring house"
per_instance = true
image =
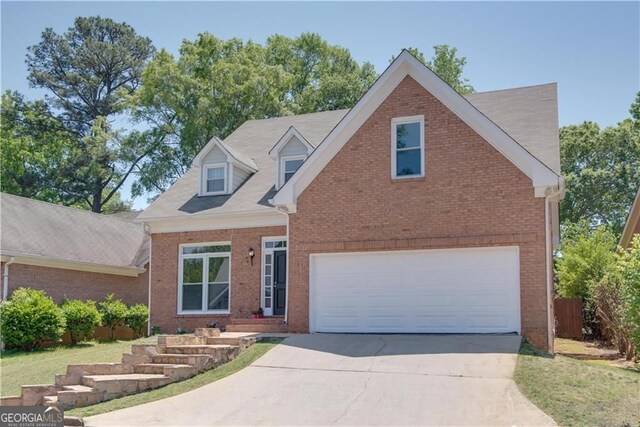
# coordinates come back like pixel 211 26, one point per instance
pixel 417 211
pixel 70 253
pixel 632 226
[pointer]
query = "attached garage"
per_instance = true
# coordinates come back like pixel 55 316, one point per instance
pixel 473 290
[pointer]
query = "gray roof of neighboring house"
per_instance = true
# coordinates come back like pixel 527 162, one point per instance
pixel 529 115
pixel 34 228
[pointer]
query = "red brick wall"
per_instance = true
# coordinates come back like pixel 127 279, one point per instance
pixel 471 196
pixel 245 278
pixel 60 283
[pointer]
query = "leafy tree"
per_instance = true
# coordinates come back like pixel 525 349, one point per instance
pixel 91 72
pixel 586 256
pixel 82 317
pixel 29 317
pixel 602 171
pixel 447 65
pixel 216 85
pixel 629 269
pixel 113 312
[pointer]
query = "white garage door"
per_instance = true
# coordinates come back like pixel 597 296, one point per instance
pixel 443 291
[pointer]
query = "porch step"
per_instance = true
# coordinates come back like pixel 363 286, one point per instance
pixel 277 320
pixel 268 328
pixel 114 386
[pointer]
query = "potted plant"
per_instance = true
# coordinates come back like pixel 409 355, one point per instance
pixel 258 314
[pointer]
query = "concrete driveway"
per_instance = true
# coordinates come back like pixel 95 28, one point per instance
pixel 327 379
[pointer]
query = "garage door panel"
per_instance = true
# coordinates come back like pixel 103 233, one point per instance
pixel 458 290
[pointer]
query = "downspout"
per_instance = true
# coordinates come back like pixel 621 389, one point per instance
pixel 147 231
pixel 549 262
pixel 286 304
pixel 5 278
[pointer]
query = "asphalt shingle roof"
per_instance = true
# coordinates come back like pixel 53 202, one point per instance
pixel 35 228
pixel 529 115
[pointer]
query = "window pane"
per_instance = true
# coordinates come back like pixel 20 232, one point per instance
pixel 287 176
pixel 292 165
pixel 218 296
pixel 281 244
pixel 192 297
pixel 408 135
pixel 215 173
pixel 218 269
pixel 192 270
pixel 205 249
pixel 408 162
pixel 268 245
pixel 215 185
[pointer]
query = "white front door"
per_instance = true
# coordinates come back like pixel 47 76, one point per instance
pixel 472 290
pixel 271 246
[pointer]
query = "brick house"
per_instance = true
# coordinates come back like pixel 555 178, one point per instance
pixel 632 226
pixel 417 211
pixel 70 253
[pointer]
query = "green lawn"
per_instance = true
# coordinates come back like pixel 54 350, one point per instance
pixel 253 353
pixel 40 367
pixel 579 393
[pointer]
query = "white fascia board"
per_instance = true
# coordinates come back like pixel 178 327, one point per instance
pixel 215 141
pixel 43 261
pixel 405 64
pixel 290 133
pixel 198 158
pixel 220 221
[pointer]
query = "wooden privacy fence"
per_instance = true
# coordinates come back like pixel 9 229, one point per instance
pixel 568 314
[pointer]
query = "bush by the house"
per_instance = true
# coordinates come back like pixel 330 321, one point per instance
pixel 587 255
pixel 137 316
pixel 113 312
pixel 82 317
pixel 629 265
pixel 29 318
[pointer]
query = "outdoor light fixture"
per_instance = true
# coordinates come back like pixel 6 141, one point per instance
pixel 252 253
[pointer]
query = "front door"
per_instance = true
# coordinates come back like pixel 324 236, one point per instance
pixel 279 282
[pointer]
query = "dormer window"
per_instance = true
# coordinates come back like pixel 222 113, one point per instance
pixel 215 179
pixel 289 166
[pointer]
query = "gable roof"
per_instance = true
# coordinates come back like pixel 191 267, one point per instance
pixel 633 223
pixel 239 157
pixel 290 133
pixel 528 114
pixel 39 230
pixel 404 65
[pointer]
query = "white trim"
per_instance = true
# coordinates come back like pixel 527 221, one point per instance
pixel 42 261
pixel 283 161
pixel 215 141
pixel 284 140
pixel 217 221
pixel 264 250
pixel 205 271
pixel 205 179
pixel 407 65
pixel 394 149
pixel 149 286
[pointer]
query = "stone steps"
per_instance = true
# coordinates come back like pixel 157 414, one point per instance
pixel 271 320
pixel 197 349
pixel 258 327
pixel 114 386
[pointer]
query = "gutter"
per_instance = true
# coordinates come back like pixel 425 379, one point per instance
pixel 5 278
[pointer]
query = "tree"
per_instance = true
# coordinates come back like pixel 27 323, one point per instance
pixel 446 65
pixel 216 85
pixel 602 171
pixel 91 72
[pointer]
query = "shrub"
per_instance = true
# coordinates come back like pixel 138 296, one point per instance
pixel 113 312
pixel 611 310
pixel 156 330
pixel 629 265
pixel 586 255
pixel 82 317
pixel 29 317
pixel 137 316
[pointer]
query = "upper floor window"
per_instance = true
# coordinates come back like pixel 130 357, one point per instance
pixel 289 166
pixel 215 179
pixel 407 139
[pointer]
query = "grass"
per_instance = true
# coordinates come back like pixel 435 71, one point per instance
pixel 39 367
pixel 245 359
pixel 579 393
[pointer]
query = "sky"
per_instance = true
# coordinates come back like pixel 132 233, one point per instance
pixel 591 49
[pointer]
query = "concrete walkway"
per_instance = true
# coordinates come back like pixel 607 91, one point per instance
pixel 327 379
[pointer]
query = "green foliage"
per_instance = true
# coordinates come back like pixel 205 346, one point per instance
pixel 137 316
pixel 82 317
pixel 156 330
pixel 216 85
pixel 447 65
pixel 92 71
pixel 602 171
pixel 628 265
pixel 29 317
pixel 587 255
pixel 114 313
